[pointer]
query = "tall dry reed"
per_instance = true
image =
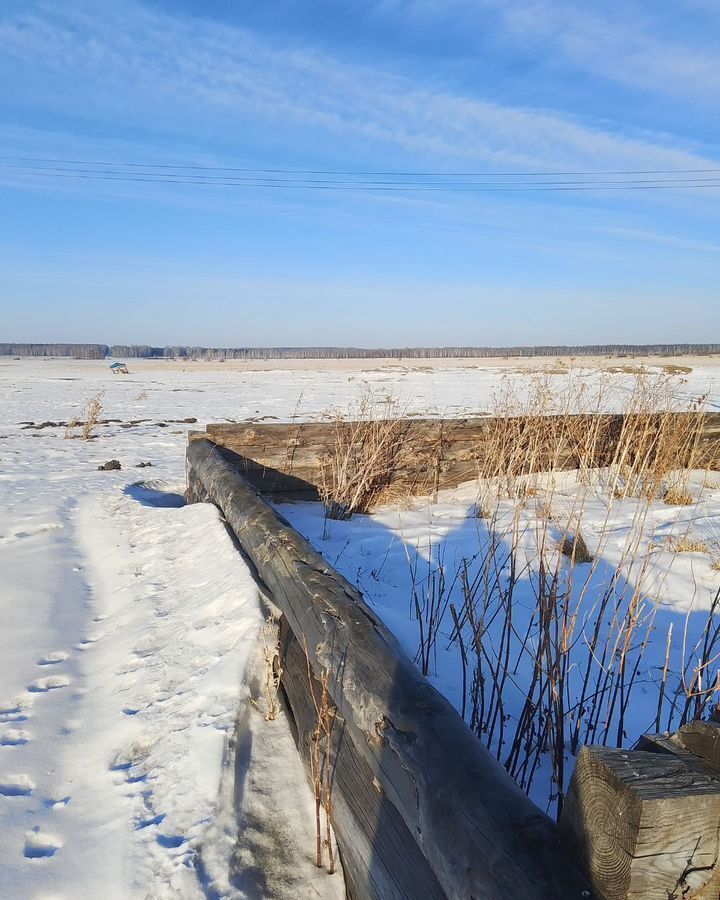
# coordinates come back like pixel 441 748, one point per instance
pixel 553 641
pixel 358 470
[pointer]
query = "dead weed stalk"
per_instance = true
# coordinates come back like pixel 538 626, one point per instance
pixel 92 411
pixel 320 766
pixel 357 472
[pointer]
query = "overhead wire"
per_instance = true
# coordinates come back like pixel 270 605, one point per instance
pixel 395 173
pixel 337 180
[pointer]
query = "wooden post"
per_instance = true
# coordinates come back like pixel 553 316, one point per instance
pixel 643 825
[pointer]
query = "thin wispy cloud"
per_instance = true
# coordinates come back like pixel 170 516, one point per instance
pixel 459 86
pixel 621 47
pixel 662 50
pixel 144 69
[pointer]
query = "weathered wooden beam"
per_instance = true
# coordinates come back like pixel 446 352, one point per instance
pixel 431 453
pixel 703 740
pixel 480 835
pixel 376 843
pixel 644 825
pixel 669 743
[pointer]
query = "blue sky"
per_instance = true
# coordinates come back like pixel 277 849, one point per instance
pixel 431 86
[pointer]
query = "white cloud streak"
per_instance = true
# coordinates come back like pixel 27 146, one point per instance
pixel 631 44
pixel 130 67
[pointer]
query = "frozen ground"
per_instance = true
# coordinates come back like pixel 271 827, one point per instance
pixel 128 628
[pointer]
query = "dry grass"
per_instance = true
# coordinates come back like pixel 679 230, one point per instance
pixel 92 411
pixel 581 652
pixel 589 623
pixel 678 496
pixel 320 763
pixel 642 452
pixel 673 369
pixel 627 370
pixel 573 650
pixel 70 428
pixel 358 471
pixel 91 416
pixel 534 428
pixel 689 543
pixel 544 510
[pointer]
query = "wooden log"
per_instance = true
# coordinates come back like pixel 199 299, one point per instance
pixel 644 825
pixel 669 743
pixel 420 432
pixel 376 843
pixel 703 740
pixel 417 480
pixel 431 453
pixel 481 836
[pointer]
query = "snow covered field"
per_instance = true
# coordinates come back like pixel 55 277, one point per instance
pixel 128 623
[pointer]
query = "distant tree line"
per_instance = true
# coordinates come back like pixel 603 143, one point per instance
pixel 77 351
pixel 144 351
pixel 215 353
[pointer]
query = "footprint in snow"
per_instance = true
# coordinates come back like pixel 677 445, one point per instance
pixel 40 845
pixel 59 803
pixel 52 659
pixel 69 727
pixel 148 823
pixel 51 683
pixel 15 707
pixel 28 533
pixel 16 786
pixel 13 737
pixel 88 641
pixel 13 717
pixel 171 841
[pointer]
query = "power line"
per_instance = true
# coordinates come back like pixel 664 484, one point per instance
pixel 330 172
pixel 172 177
pixel 398 186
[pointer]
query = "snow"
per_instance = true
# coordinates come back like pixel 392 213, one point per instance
pixel 129 625
pixel 390 552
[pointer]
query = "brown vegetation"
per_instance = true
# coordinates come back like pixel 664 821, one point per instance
pixel 92 411
pixel 320 764
pixel 358 471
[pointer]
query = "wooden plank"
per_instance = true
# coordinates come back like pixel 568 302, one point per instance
pixel 644 825
pixel 482 837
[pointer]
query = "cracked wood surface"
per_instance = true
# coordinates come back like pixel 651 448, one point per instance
pixel 644 824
